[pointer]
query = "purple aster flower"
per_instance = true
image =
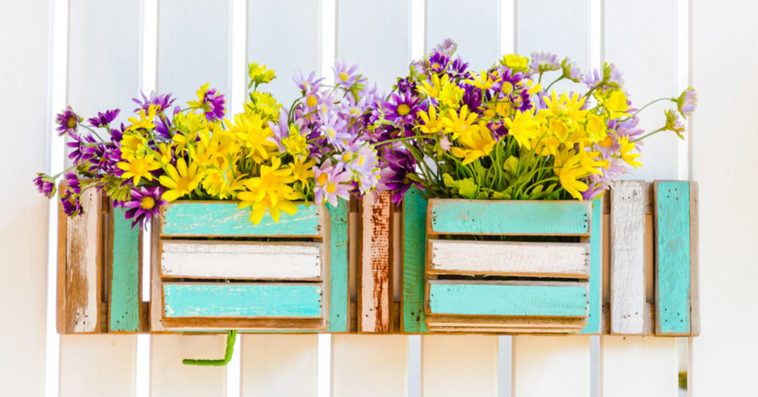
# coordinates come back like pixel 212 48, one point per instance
pixel 447 47
pixel 334 128
pixel 71 204
pixel 331 183
pixel 401 109
pixel 571 71
pixel 472 97
pixel 687 102
pixel 458 69
pixel 67 121
pixel 307 84
pixel 609 77
pixel 213 105
pixel 544 62
pixel 103 119
pixel 146 202
pixel 345 75
pixel 162 102
pixel 81 145
pixel 394 175
pixel 45 184
pixel 406 85
pixel 437 63
pixel 72 182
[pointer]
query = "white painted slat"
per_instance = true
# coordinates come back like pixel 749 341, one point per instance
pixel 369 365
pixel 570 260
pixel 472 24
pixel 636 366
pixel 629 199
pixel 279 365
pixel 193 47
pixel 375 35
pixel 538 22
pixel 96 365
pixel 551 366
pixel 459 365
pixel 641 39
pixel 302 41
pixel 241 260
pixel 169 377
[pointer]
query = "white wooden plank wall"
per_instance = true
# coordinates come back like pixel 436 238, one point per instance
pixel 643 38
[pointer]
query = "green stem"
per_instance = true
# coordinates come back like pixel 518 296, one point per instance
pixel 231 337
pixel 649 134
pixel 547 90
pixel 646 105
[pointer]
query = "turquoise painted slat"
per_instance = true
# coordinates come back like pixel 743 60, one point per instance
pixel 596 269
pixel 673 257
pixel 508 300
pixel 338 251
pixel 223 218
pixel 242 300
pixel 510 217
pixel 125 259
pixel 414 251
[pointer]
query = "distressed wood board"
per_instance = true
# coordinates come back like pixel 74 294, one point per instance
pixel 374 299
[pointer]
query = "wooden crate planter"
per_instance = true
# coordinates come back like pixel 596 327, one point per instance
pixel 214 270
pixel 467 285
pixel 99 267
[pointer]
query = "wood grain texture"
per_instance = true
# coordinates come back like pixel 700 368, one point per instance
pixel 375 295
pixel 672 259
pixel 338 271
pixel 694 261
pixel 453 216
pixel 507 258
pixel 242 260
pixel 156 287
pixel 493 298
pixel 414 253
pixel 61 315
pixel 598 235
pixel 224 219
pixel 124 314
pixel 84 255
pixel 628 202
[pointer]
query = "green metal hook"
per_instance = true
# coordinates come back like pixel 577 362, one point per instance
pixel 231 337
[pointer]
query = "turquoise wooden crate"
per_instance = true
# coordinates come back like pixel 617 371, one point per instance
pixel 457 280
pixel 215 270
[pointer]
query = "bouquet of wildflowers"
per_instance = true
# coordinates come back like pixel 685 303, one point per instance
pixel 501 134
pixel 267 157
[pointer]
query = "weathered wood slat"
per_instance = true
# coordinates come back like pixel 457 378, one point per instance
pixel 694 261
pixel 125 264
pixel 337 242
pixel 672 260
pixel 509 217
pixel 557 299
pixel 242 300
pixel 597 234
pixel 414 251
pixel 508 258
pixel 244 260
pixel 224 219
pixel 507 325
pixel 628 202
pixel 83 286
pixel 375 294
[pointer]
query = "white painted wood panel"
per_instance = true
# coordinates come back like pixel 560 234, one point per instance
pixel 472 24
pixel 241 260
pixel 169 377
pixel 193 47
pixel 510 258
pixel 279 365
pixel 558 26
pixel 551 366
pixel 641 39
pixel 724 355
pixel 459 365
pixel 629 199
pixel 97 365
pixel 369 365
pixel 301 21
pixel 376 35
pixel 639 366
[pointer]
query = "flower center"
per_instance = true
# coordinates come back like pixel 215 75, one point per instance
pixel 330 132
pixel 343 76
pixel 435 65
pixel 331 187
pixel 312 101
pixel 507 87
pixel 403 109
pixel 322 179
pixel 147 203
pixel 71 122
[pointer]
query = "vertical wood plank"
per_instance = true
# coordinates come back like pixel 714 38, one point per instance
pixel 636 366
pixel 96 365
pixel 377 36
pixel 299 19
pixel 672 258
pixel 169 377
pixel 279 365
pixel 628 202
pixel 84 271
pixel 338 253
pixel 571 18
pixel 551 366
pixel 375 297
pixel 414 250
pixel 369 365
pixel 194 39
pixel 472 24
pixel 597 234
pixel 459 365
pixel 125 266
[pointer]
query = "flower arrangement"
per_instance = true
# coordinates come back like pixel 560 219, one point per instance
pixel 501 134
pixel 267 156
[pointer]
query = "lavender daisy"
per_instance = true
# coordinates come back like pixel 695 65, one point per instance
pixel 544 62
pixel 401 109
pixel 104 119
pixel 687 102
pixel 67 121
pixel 146 202
pixel 345 75
pixel 331 183
pixel 162 102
